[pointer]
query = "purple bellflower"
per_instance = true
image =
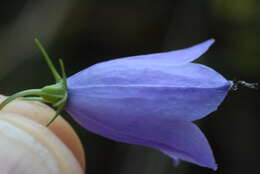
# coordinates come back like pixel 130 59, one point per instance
pixel 148 100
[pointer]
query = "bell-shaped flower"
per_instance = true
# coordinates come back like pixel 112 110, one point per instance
pixel 149 100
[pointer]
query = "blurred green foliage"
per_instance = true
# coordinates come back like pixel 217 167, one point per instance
pixel 236 11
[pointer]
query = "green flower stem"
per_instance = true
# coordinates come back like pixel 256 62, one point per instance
pixel 20 94
pixel 39 99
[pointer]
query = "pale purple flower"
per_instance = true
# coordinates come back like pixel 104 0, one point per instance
pixel 151 100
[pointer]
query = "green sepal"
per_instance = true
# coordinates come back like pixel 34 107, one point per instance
pixel 56 94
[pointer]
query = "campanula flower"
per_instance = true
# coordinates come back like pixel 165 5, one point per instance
pixel 149 100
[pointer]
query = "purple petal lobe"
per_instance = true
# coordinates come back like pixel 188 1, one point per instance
pixel 175 57
pixel 167 60
pixel 177 139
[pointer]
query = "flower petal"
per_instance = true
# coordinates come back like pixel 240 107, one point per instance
pixel 177 139
pixel 186 92
pixel 193 144
pixel 144 62
pixel 175 57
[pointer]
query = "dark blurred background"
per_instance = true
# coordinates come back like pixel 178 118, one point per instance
pixel 84 32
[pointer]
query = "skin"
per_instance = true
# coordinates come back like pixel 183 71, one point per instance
pixel 28 148
pixel 42 113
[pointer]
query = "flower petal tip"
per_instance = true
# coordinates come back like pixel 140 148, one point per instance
pixel 213 166
pixel 192 53
pixel 206 45
pixel 210 164
pixel 211 41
